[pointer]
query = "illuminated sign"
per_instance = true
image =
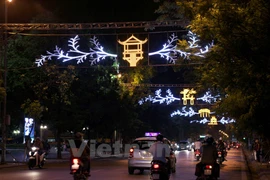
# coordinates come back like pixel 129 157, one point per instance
pixel 29 127
pixel 151 134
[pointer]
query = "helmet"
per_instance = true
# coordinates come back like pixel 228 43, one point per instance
pixel 78 135
pixel 210 140
pixel 160 137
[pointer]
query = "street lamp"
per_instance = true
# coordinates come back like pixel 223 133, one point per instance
pixel 41 130
pixel 4 117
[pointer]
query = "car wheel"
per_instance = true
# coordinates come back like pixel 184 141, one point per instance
pixel 130 170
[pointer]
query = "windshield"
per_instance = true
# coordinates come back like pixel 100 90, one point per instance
pixel 143 144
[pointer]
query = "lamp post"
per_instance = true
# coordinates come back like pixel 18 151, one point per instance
pixel 4 117
pixel 41 130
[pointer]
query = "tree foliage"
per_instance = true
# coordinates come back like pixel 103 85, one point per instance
pixel 238 65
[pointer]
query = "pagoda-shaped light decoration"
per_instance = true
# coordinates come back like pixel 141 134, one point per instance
pixel 132 50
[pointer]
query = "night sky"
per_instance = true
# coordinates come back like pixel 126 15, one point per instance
pixel 81 11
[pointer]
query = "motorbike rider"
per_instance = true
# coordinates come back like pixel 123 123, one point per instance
pixel 221 147
pixel 209 156
pixel 40 155
pixel 161 151
pixel 197 144
pixel 85 156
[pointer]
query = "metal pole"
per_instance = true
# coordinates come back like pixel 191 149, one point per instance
pixel 41 129
pixel 4 139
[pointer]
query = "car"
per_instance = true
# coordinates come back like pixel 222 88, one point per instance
pixel 184 145
pixel 139 157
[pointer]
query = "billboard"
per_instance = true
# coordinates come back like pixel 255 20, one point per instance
pixel 29 127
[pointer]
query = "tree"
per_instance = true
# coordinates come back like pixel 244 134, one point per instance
pixel 238 64
pixel 54 92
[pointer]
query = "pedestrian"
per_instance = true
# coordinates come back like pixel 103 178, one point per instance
pixel 256 150
pixel 27 147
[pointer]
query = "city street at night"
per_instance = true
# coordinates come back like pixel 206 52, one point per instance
pixel 115 168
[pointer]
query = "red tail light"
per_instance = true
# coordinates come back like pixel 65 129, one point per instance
pixel 156 166
pixel 131 151
pixel 75 161
pixel 208 167
pixel 219 152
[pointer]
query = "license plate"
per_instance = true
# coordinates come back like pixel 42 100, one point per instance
pixel 155 176
pixel 197 155
pixel 207 172
pixel 75 167
pixel 219 155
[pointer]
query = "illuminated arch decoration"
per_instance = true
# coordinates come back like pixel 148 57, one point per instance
pixel 213 121
pixel 189 113
pixel 204 112
pixel 169 98
pixel 132 50
pixel 223 120
pixel 188 95
pixel 95 54
pixel 169 51
pixel 207 97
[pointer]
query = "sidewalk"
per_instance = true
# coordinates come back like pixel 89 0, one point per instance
pixel 259 170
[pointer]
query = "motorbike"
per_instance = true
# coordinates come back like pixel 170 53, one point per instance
pixel 197 154
pixel 207 173
pixel 78 169
pixel 159 171
pixel 32 158
pixel 220 158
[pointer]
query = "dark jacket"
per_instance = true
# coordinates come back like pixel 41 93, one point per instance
pixel 209 154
